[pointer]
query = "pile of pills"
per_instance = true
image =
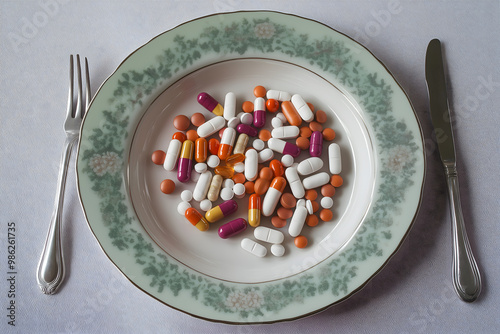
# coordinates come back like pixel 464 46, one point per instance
pixel 240 164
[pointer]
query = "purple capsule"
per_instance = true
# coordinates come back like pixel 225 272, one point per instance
pixel 232 228
pixel 316 144
pixel 247 129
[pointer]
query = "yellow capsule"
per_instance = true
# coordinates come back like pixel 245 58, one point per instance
pixel 234 159
pixel 224 171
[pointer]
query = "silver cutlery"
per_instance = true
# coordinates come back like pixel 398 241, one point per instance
pixel 466 276
pixel 51 268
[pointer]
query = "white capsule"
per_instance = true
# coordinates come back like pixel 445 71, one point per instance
pixel 241 144
pixel 276 122
pixel 265 155
pixel 278 95
pixel 187 195
pixel 246 118
pixel 228 183
pixel 229 106
pixel 239 167
pixel 251 164
pixel 286 132
pixel 258 144
pixel 278 250
pixel 253 247
pixel 239 190
pixel 228 137
pixel 268 235
pixel 214 189
pixel 200 167
pixel 233 122
pixel 205 205
pixel 282 116
pixel 309 166
pixel 302 108
pixel 182 207
pixel 326 202
pixel 173 151
pixel 334 158
pixel 294 181
pixel 213 161
pixel 226 194
pixel 287 160
pixel 201 189
pixel 316 180
pixel 297 221
pixel 212 126
pixel 309 207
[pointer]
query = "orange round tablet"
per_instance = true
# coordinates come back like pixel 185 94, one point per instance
pixel 328 134
pixel 197 119
pixel 192 135
pixel 239 178
pixel 315 126
pixel 312 220
pixel 179 136
pixel 278 222
pixel 249 187
pixel 302 142
pixel 247 106
pixel 311 194
pixel 259 91
pixel 305 132
pixel 272 105
pixel 320 116
pixel 328 190
pixel 264 135
pixel 315 206
pixel 181 122
pixel 158 157
pixel 288 201
pixel 167 186
pixel 300 241
pixel 326 215
pixel 284 213
pixel 336 180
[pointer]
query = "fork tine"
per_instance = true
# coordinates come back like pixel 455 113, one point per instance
pixel 87 87
pixel 70 93
pixel 78 109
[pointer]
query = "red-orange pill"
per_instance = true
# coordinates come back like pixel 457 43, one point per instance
pixel 239 178
pixel 277 167
pixel 312 220
pixel 197 119
pixel 315 126
pixel 302 142
pixel 192 135
pixel 272 105
pixel 213 146
pixel 247 106
pixel 278 222
pixel 167 186
pixel 328 134
pixel 327 190
pixel 326 215
pixel 264 181
pixel 181 122
pixel 320 116
pixel 264 135
pixel 305 132
pixel 284 213
pixel 311 194
pixel 291 114
pixel 158 157
pixel 249 187
pixel 336 180
pixel 300 241
pixel 315 206
pixel 200 150
pixel 288 201
pixel 259 91
pixel 179 136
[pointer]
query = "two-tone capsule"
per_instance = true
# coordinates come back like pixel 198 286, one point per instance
pixel 283 147
pixel 185 161
pixel 172 154
pixel 196 218
pixel 222 210
pixel 254 210
pixel 273 195
pixel 259 112
pixel 226 143
pixel 211 104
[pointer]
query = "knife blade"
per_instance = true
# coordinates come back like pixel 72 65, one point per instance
pixel 465 272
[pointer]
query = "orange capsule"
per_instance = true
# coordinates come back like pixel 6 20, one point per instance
pixel 277 167
pixel 291 114
pixel 234 159
pixel 254 209
pixel 195 218
pixel 213 146
pixel 179 136
pixel 226 172
pixel 200 150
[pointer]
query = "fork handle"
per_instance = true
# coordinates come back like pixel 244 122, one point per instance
pixel 466 276
pixel 50 271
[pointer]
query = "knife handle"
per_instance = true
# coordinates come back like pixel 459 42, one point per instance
pixel 466 277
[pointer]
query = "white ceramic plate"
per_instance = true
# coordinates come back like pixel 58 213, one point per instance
pixel 161 253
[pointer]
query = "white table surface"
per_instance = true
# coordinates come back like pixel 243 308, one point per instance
pixel 412 294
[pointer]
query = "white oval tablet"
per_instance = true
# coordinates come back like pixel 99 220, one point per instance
pixel 278 250
pixel 253 247
pixel 286 132
pixel 268 235
pixel 334 158
pixel 309 166
pixel 316 180
pixel 229 106
pixel 251 164
pixel 297 221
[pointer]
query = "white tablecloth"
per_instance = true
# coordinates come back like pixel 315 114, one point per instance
pixel 413 293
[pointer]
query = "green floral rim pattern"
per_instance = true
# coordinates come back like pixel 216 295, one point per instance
pixel 114 113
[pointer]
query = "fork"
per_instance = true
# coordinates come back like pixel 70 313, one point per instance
pixel 51 269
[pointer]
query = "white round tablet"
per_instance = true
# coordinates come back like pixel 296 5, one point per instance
pixel 226 194
pixel 246 118
pixel 233 122
pixel 258 144
pixel 200 167
pixel 239 167
pixel 287 160
pixel 277 250
pixel 187 195
pixel 276 122
pixel 281 116
pixel 205 205
pixel 213 161
pixel 326 202
pixel 228 183
pixel 182 207
pixel 239 190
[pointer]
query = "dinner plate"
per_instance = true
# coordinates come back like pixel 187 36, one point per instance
pixel 159 251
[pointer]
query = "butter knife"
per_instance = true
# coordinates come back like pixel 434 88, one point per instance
pixel 466 277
